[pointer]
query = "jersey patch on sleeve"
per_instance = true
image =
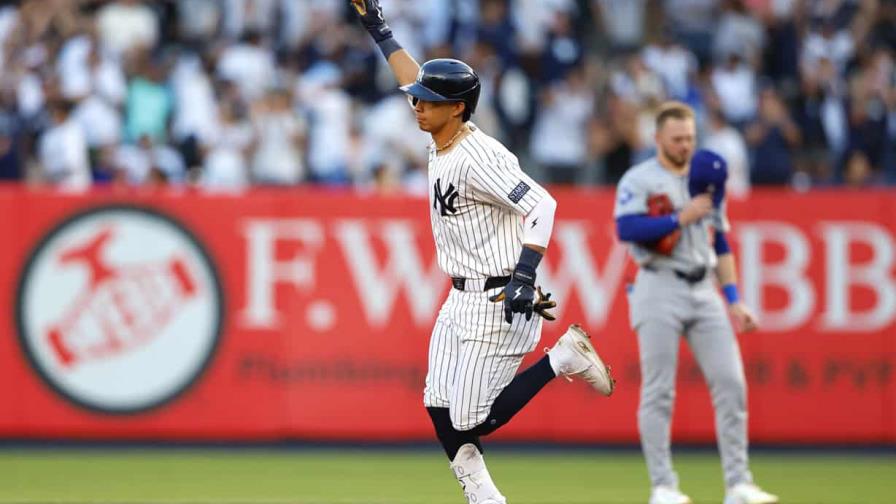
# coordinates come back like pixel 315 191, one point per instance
pixel 518 192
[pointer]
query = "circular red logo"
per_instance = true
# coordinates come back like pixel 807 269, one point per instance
pixel 119 309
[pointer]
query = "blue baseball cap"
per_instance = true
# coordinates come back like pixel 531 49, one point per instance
pixel 708 174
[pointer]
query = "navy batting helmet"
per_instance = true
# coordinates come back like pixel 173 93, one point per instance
pixel 708 174
pixel 444 79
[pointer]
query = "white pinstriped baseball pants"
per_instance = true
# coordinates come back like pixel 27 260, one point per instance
pixel 474 354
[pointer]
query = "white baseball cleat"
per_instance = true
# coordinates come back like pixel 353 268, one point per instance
pixel 668 495
pixel 748 493
pixel 574 355
pixel 469 468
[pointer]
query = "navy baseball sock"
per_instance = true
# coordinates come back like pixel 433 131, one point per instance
pixel 516 395
pixel 451 438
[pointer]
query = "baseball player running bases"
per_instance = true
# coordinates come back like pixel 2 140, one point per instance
pixel 671 211
pixel 491 224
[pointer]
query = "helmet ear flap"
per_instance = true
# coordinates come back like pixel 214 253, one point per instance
pixel 471 101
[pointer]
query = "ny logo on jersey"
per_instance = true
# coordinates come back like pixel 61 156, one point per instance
pixel 445 200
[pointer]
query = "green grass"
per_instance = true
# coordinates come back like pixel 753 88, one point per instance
pixel 413 476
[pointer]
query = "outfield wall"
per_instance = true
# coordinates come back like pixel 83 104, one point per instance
pixel 305 314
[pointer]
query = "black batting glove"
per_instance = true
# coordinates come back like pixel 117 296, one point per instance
pixel 519 294
pixel 371 15
pixel 540 305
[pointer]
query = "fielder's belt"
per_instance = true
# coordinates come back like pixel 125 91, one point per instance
pixel 694 276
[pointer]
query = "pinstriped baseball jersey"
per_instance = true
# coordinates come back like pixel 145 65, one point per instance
pixel 478 201
pixel 478 198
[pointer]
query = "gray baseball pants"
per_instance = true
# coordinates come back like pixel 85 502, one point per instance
pixel 662 308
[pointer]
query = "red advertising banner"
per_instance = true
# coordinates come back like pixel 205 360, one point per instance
pixel 305 314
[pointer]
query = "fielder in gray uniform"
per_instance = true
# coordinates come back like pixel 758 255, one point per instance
pixel 671 211
pixel 491 224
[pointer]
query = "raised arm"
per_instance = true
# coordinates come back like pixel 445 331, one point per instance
pixel 403 65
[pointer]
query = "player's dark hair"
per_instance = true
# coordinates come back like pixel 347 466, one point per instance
pixel 673 110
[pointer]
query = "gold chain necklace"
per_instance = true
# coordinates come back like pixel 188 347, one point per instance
pixel 459 131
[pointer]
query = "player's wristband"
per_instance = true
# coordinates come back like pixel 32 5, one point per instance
pixel 388 46
pixel 730 291
pixel 526 266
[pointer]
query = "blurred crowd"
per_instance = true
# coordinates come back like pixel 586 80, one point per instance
pixel 223 94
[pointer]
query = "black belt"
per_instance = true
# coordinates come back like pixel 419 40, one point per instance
pixel 490 282
pixel 691 277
